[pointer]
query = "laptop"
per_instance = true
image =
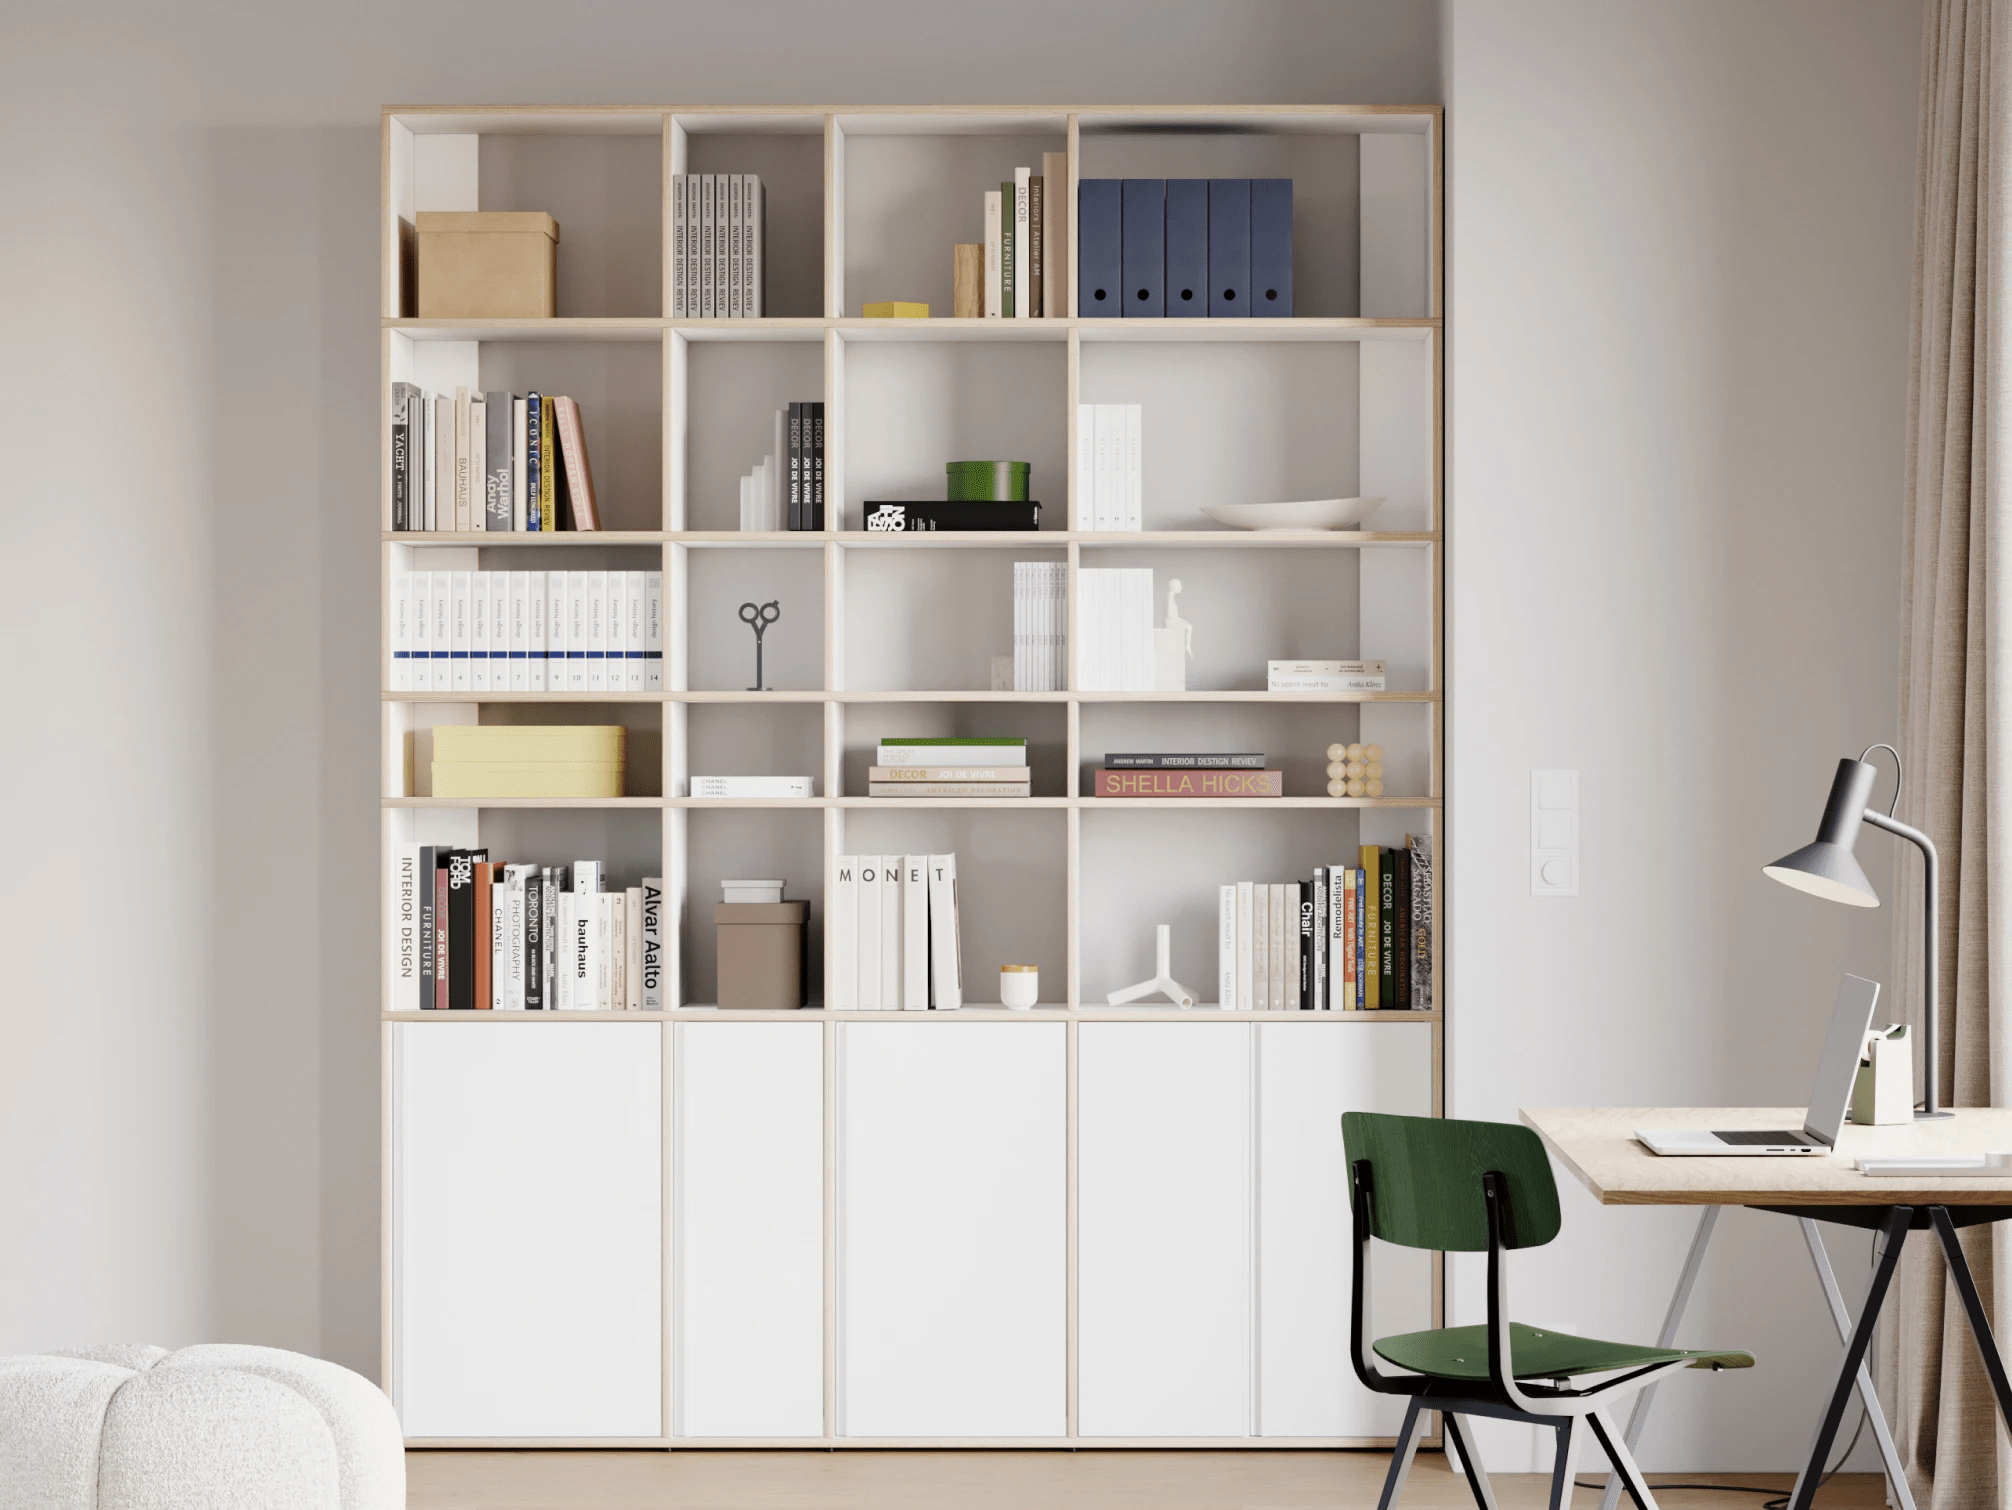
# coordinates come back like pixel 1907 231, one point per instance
pixel 1850 1020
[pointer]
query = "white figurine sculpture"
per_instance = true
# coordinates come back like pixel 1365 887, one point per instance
pixel 1163 981
pixel 1173 646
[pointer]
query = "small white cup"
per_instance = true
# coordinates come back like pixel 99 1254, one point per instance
pixel 1019 987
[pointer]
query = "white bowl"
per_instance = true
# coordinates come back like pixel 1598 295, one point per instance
pixel 1315 514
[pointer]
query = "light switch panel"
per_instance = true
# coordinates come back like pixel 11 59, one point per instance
pixel 1554 833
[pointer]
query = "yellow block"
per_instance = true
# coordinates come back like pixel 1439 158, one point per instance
pixel 510 778
pixel 896 309
pixel 579 744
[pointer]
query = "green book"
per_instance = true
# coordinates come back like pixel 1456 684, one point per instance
pixel 1007 198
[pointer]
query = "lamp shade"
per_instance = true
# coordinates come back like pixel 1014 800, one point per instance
pixel 1828 868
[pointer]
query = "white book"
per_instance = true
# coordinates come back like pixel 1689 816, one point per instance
pixel 1246 947
pixel 1275 939
pixel 915 933
pixel 733 280
pixel 946 950
pixel 478 462
pixel 1278 682
pixel 707 185
pixel 678 310
pixel 951 755
pixel 722 243
pixel 750 519
pixel 602 972
pixel 618 950
pixel 994 249
pixel 499 942
pixel 867 955
pixel 751 788
pixel 634 637
pixel 559 945
pixel 1135 467
pixel 1023 657
pixel 650 956
pixel 460 454
pixel 1103 509
pixel 1326 668
pixel 429 463
pixel 401 632
pixel 458 632
pixel 441 636
pixel 499 630
pixel 841 935
pixel 1142 630
pixel 519 648
pixel 597 631
pixel 694 229
pixel 1085 515
pixel 510 967
pixel 478 632
pixel 534 630
pixel 890 933
pixel 401 930
pixel 1261 947
pixel 588 875
pixel 579 585
pixel 616 657
pixel 778 480
pixel 419 585
pixel 1226 947
pixel 1022 230
pixel 755 251
pixel 632 954
pixel 653 631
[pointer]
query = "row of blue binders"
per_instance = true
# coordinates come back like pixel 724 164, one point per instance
pixel 1184 248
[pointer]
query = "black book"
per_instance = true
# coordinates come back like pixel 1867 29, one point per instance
pixel 795 519
pixel 1303 897
pixel 908 516
pixel 1402 931
pixel 1386 927
pixel 1245 762
pixel 461 940
pixel 404 401
pixel 815 512
pixel 534 941
pixel 425 883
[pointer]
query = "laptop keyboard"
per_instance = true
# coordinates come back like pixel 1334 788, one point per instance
pixel 1745 1139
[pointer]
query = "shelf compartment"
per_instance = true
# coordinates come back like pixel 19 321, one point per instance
pixel 731 394
pixel 725 841
pixel 744 739
pixel 720 646
pixel 786 150
pixel 930 622
pixel 1043 726
pixel 1293 737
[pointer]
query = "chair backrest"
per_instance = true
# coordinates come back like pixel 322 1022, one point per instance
pixel 1425 1180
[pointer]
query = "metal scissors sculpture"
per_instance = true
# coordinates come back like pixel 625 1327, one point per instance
pixel 758 619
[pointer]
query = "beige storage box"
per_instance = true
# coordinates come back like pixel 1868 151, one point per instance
pixel 529 760
pixel 475 265
pixel 761 955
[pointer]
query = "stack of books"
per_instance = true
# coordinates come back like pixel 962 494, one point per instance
pixel 1324 676
pixel 983 767
pixel 1025 231
pixel 719 246
pixel 489 461
pixel 786 489
pixel 1184 248
pixel 529 760
pixel 1185 775
pixel 469 934
pixel 1110 467
pixel 1040 624
pixel 892 935
pixel 1353 938
pixel 535 631
pixel 1114 615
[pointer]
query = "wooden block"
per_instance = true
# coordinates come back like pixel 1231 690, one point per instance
pixel 967 280
pixel 895 309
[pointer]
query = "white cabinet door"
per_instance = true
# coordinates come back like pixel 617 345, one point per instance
pixel 1163 1229
pixel 1308 1074
pixel 747 1229
pixel 527 1229
pixel 953 1220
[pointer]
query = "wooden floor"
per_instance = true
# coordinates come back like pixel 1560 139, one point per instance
pixel 999 1481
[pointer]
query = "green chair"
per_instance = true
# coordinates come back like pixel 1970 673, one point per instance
pixel 1469 1187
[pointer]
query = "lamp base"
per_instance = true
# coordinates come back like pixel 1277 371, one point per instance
pixel 1933 1116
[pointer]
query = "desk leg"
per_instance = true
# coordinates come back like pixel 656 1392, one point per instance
pixel 1639 1417
pixel 1973 1305
pixel 1894 1231
pixel 1889 1454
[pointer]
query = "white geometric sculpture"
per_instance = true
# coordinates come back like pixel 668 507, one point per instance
pixel 1163 980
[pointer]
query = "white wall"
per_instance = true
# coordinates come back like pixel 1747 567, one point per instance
pixel 188 1045
pixel 1680 256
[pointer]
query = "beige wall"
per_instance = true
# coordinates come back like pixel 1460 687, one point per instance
pixel 1680 258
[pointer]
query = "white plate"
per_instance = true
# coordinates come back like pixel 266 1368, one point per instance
pixel 1315 514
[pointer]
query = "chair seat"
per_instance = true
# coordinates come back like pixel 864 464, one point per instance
pixel 1461 1352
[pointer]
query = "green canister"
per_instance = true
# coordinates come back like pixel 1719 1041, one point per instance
pixel 987 481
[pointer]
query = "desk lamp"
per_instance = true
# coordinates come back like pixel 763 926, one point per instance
pixel 1828 869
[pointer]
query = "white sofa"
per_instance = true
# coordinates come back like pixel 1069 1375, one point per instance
pixel 217 1427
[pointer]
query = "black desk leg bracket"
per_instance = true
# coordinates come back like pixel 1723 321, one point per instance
pixel 1973 1306
pixel 1893 1234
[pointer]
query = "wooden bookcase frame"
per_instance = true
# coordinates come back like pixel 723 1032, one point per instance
pixel 673 546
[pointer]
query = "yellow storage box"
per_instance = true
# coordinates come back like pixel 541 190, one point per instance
pixel 479 265
pixel 530 760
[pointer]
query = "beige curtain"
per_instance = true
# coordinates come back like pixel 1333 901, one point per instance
pixel 1953 704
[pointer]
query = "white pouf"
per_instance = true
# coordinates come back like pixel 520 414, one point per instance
pixel 217 1427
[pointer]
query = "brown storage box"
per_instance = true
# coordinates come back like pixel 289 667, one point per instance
pixel 761 954
pixel 474 265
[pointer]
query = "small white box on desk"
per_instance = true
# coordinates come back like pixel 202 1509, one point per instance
pixel 1883 1093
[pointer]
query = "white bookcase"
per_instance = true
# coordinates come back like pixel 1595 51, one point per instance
pixel 1080 1225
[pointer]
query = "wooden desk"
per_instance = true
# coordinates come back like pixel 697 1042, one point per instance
pixel 1597 1144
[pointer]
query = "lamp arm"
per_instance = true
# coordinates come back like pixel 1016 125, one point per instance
pixel 1931 1069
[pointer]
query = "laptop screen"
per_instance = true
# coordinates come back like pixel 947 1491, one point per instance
pixel 1835 1072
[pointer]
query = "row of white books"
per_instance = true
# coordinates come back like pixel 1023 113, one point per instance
pixel 527 631
pixel 1040 625
pixel 1114 618
pixel 1110 467
pixel 482 462
pixel 892 934
pixel 719 246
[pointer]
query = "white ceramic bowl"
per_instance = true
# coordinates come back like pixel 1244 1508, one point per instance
pixel 1315 514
